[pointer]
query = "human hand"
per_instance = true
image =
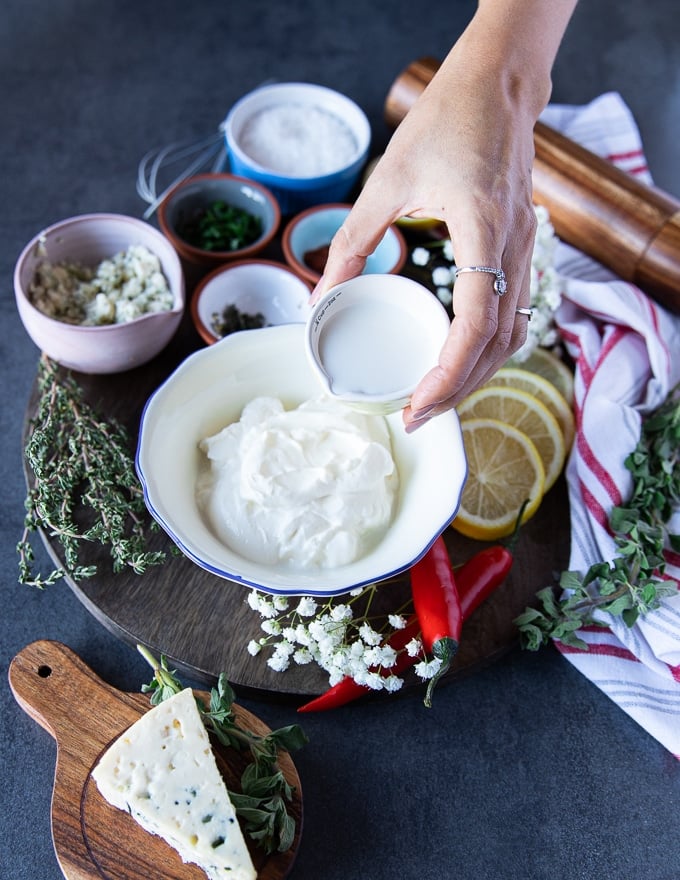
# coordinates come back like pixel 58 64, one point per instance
pixel 463 155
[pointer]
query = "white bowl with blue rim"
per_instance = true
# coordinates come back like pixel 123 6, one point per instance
pixel 209 391
pixel 305 142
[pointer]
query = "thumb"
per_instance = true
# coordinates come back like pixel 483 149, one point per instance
pixel 363 229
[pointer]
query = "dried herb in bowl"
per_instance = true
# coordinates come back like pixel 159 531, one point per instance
pixel 231 319
pixel 221 227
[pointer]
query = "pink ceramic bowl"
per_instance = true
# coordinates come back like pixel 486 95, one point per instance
pixel 88 239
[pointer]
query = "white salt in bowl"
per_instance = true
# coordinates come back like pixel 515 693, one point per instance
pixel 209 390
pixel 305 142
pixel 370 340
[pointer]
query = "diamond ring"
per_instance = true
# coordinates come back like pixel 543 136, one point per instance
pixel 500 285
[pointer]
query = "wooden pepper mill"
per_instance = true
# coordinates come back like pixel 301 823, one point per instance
pixel 631 228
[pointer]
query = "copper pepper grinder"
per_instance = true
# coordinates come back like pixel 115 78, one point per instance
pixel 631 228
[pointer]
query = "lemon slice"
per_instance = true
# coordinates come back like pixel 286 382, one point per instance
pixel 542 390
pixel 504 471
pixel 529 415
pixel 547 364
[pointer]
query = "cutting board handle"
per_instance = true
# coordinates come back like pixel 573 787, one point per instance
pixel 59 691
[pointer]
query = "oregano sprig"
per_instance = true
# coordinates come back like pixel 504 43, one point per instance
pixel 632 584
pixel 80 460
pixel 262 802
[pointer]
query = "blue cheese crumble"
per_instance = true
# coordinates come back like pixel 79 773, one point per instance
pixel 119 289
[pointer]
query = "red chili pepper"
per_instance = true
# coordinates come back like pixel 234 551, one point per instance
pixel 347 689
pixel 479 576
pixel 475 580
pixel 438 608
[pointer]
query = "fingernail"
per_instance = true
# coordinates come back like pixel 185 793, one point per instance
pixel 316 293
pixel 421 413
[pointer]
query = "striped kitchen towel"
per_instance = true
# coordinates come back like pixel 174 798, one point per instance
pixel 626 351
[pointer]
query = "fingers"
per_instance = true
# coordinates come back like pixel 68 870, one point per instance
pixel 486 330
pixel 374 211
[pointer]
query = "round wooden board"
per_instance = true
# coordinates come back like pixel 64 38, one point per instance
pixel 203 624
pixel 85 715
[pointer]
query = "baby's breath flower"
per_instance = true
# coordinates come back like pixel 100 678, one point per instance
pixel 278 662
pixel 302 635
pixel 271 627
pixel 414 647
pixel 317 629
pixel 281 603
pixel 444 295
pixel 254 647
pixel 420 256
pixel 375 681
pixel 396 621
pixel 302 656
pixel 306 607
pixel 392 683
pixel 447 251
pixel 341 612
pixel 442 276
pixel 388 656
pixel 369 635
pixel 266 608
pixel 357 591
pixel 427 668
pixel 372 656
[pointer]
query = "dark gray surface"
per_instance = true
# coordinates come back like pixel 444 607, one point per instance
pixel 524 770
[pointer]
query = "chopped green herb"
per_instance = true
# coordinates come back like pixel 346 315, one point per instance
pixel 221 227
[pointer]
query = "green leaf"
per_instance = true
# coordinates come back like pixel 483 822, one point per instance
pixel 631 584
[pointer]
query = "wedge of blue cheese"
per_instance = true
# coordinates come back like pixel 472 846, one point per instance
pixel 163 772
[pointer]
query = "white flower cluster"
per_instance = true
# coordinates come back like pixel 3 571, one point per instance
pixel 546 284
pixel 330 635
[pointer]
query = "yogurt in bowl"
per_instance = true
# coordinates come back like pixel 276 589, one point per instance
pixel 371 339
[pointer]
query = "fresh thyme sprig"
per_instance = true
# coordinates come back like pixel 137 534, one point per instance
pixel 78 458
pixel 631 584
pixel 261 803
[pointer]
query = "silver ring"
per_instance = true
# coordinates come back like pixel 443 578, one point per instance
pixel 500 285
pixel 527 312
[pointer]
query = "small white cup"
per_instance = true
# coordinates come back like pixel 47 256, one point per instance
pixel 370 340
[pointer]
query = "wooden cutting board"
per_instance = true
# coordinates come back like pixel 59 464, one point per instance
pixel 202 623
pixel 91 838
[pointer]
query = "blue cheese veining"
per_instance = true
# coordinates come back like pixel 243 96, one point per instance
pixel 163 772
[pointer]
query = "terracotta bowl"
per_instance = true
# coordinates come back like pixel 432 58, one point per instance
pixel 193 195
pixel 264 293
pixel 306 238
